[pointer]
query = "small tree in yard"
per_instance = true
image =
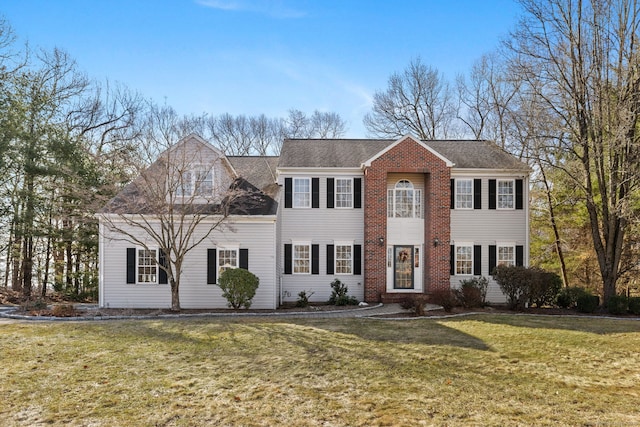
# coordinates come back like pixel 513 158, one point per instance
pixel 238 287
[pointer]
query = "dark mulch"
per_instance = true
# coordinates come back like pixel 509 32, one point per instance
pixel 500 309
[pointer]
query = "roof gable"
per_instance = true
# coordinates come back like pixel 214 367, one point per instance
pixel 447 162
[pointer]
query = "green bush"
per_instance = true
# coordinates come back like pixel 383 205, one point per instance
pixel 568 297
pixel 543 287
pixel 445 298
pixel 473 292
pixel 339 294
pixel 618 304
pixel 634 305
pixel 587 303
pixel 514 282
pixel 303 298
pixel 238 287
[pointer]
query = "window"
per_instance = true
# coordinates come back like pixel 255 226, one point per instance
pixel 464 259
pixel 227 258
pixel 464 194
pixel 301 193
pixel 301 259
pixel 196 182
pixel 147 267
pixel 505 194
pixel 344 193
pixel 506 255
pixel 344 259
pixel 403 201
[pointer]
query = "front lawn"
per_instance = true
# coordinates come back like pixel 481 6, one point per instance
pixel 481 370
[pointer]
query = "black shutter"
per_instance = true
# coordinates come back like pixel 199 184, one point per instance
pixel 330 195
pixel 162 273
pixel 212 267
pixel 315 192
pixel 244 259
pixel 492 194
pixel 288 192
pixel 452 260
pixel 131 265
pixel 330 259
pixel 477 194
pixel 519 255
pixel 357 193
pixel 315 259
pixel 492 258
pixel 519 197
pixel 288 259
pixel 357 260
pixel 453 193
pixel 477 260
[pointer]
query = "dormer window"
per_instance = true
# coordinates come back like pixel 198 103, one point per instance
pixel 197 181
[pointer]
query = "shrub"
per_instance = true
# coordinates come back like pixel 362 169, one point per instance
pixel 473 292
pixel 303 298
pixel 514 282
pixel 634 305
pixel 445 298
pixel 238 287
pixel 618 304
pixel 63 310
pixel 568 297
pixel 339 294
pixel 36 305
pixel 587 303
pixel 415 302
pixel 543 287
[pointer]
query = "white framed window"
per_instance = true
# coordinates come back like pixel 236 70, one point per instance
pixel 344 192
pixel 505 194
pixel 506 255
pixel 301 192
pixel 197 181
pixel 227 258
pixel 146 265
pixel 464 194
pixel 464 259
pixel 344 258
pixel 301 259
pixel 404 201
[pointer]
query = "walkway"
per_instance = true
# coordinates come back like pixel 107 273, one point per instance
pixel 7 314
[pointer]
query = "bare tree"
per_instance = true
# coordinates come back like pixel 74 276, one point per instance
pixel 580 58
pixel 417 101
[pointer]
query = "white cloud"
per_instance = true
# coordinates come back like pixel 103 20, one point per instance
pixel 273 9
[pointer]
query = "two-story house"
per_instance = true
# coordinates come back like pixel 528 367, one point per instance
pixel 387 218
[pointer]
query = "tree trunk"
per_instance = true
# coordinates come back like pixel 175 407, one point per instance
pixel 175 294
pixel 554 226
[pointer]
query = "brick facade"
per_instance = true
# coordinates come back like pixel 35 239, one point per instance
pixel 408 156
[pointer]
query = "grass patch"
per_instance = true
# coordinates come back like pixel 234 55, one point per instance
pixel 484 370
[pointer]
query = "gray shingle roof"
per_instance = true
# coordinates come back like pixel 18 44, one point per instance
pixel 351 153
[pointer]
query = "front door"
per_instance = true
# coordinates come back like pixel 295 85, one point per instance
pixel 403 267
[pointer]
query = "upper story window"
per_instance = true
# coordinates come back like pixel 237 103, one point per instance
pixel 197 181
pixel 344 192
pixel 301 193
pixel 146 266
pixel 404 201
pixel 464 194
pixel 505 194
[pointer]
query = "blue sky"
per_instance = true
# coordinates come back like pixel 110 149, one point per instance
pixel 258 56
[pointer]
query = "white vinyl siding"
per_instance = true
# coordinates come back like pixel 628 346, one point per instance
pixel 258 237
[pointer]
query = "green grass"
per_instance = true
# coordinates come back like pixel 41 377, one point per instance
pixel 484 370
